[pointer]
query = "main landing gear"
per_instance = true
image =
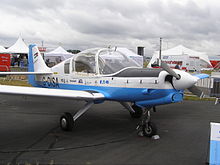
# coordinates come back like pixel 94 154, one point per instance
pixel 67 120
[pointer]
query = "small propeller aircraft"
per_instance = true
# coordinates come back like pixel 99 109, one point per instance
pixel 95 76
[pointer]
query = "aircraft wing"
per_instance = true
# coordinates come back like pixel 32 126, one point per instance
pixel 61 93
pixel 201 76
pixel 25 73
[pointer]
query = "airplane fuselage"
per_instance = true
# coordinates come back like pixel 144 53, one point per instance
pixel 116 81
pixel 143 91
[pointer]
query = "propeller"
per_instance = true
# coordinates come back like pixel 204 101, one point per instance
pixel 169 70
pixel 195 90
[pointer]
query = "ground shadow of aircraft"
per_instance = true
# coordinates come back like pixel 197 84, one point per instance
pixel 97 75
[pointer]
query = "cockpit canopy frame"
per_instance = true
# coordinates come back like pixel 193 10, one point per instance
pixel 102 61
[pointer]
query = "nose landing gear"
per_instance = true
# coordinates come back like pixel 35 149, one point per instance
pixel 146 127
pixel 138 111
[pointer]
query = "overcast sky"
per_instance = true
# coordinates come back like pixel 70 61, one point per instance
pixel 82 24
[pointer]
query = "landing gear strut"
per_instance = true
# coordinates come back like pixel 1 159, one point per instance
pixel 146 127
pixel 138 111
pixel 135 111
pixel 67 120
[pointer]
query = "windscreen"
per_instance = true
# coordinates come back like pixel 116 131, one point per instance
pixel 114 61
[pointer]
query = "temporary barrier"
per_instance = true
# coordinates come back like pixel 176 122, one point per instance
pixel 206 85
pixel 215 91
pixel 211 86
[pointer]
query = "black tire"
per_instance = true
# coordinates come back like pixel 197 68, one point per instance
pixel 149 129
pixel 138 111
pixel 66 122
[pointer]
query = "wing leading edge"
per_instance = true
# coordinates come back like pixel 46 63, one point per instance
pixel 25 73
pixel 201 76
pixel 61 93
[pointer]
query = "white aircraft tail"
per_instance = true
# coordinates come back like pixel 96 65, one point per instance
pixel 36 63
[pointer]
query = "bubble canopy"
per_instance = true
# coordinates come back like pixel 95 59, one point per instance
pixel 102 61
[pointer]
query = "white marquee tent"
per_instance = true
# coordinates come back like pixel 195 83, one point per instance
pixel 139 59
pixel 2 49
pixel 179 52
pixel 19 47
pixel 57 55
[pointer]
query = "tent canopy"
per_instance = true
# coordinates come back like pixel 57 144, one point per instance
pixel 59 52
pixel 179 51
pixel 2 49
pixel 18 47
pixel 139 59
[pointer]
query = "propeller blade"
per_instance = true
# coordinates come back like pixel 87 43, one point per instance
pixel 169 70
pixel 196 91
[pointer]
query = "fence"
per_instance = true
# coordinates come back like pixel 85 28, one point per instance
pixel 211 86
pixel 206 85
pixel 215 91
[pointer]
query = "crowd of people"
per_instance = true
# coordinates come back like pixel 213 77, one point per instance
pixel 19 60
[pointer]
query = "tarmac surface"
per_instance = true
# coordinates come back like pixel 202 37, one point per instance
pixel 30 133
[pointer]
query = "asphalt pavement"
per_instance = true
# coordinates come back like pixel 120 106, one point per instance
pixel 30 133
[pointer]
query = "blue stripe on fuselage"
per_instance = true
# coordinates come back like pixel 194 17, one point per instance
pixel 122 94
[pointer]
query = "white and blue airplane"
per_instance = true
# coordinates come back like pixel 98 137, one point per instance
pixel 97 75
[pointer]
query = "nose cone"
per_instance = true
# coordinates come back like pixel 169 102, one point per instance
pixel 186 80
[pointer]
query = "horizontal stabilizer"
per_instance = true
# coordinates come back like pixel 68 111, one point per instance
pixel 61 93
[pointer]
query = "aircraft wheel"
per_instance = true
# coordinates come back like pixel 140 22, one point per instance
pixel 138 112
pixel 149 129
pixel 66 122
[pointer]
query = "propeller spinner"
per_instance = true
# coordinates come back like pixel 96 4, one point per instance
pixel 181 80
